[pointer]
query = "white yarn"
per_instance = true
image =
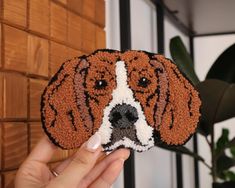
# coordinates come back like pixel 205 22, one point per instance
pixel 123 94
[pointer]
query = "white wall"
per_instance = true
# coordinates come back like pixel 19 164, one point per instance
pixel 207 49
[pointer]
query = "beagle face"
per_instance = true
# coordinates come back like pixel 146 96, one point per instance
pixel 133 99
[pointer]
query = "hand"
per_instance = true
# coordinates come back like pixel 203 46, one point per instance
pixel 78 171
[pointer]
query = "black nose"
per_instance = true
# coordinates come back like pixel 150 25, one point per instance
pixel 123 116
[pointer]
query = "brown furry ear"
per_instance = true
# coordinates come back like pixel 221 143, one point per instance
pixel 65 116
pixel 179 104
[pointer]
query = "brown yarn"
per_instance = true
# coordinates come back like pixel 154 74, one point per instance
pixel 182 114
pixel 73 104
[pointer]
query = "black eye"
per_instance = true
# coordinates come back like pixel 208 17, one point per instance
pixel 100 84
pixel 143 82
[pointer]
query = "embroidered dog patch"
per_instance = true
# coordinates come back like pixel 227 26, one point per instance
pixel 133 99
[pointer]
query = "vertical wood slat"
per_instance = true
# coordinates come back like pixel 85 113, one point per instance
pixel 88 36
pixel 15 11
pixel 8 179
pixel 75 5
pixel 38 56
pixel 14 144
pixel 14 96
pixel 100 12
pixel 58 26
pixel 75 30
pixel 58 55
pixel 63 1
pixel 39 16
pixel 15 49
pixel 88 9
pixel 1 96
pixel 0 43
pixel 35 92
pixel 100 38
pixel 36 133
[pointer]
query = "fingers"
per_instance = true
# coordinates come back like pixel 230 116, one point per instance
pixel 60 168
pixel 108 177
pixel 80 165
pixel 43 151
pixel 99 168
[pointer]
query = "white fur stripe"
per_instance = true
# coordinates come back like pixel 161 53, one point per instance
pixel 123 94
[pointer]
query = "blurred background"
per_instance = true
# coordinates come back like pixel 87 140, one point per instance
pixel 37 36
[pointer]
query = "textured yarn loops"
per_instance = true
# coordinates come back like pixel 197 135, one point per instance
pixel 133 99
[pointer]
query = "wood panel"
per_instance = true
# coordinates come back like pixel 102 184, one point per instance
pixel 58 55
pixel 1 95
pixel 15 11
pixel 100 12
pixel 14 144
pixel 8 179
pixel 73 53
pixel 38 55
pixel 75 5
pixel 39 16
pixel 15 49
pixel 36 89
pixel 1 148
pixel 0 45
pixel 100 38
pixel 62 1
pixel 36 133
pixel 88 36
pixel 58 22
pixel 88 9
pixel 74 30
pixel 14 96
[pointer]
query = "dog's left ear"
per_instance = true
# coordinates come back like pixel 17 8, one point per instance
pixel 178 110
pixel 65 114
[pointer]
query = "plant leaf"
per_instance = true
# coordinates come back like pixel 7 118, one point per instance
pixel 230 176
pixel 229 144
pixel 217 101
pixel 224 163
pixel 232 150
pixel 182 59
pixel 224 66
pixel 222 141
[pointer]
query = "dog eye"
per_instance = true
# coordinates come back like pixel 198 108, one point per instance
pixel 143 82
pixel 100 84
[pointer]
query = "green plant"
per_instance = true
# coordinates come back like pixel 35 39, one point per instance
pixel 217 92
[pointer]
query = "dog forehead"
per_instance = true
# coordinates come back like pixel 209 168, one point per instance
pixel 103 57
pixel 137 61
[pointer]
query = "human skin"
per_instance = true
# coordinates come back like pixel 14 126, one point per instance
pixel 88 167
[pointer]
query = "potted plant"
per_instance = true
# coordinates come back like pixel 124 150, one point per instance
pixel 217 93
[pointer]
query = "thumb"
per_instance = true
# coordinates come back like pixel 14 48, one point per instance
pixel 82 162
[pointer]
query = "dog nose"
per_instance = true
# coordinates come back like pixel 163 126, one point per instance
pixel 123 116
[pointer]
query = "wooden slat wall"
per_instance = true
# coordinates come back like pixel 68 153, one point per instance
pixel 36 37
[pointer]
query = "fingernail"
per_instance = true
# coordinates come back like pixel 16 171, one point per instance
pixel 94 142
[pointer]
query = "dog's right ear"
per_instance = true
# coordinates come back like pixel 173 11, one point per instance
pixel 181 110
pixel 64 113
